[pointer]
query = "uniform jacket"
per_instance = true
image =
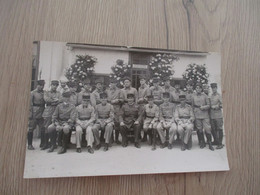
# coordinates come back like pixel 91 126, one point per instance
pixel 52 99
pixel 37 104
pixel 151 112
pixel 167 111
pixel 104 112
pixel 85 112
pixel 64 112
pixel 183 113
pixel 215 106
pixel 130 113
pixel 200 100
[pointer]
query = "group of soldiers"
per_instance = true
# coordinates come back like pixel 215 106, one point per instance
pixel 99 117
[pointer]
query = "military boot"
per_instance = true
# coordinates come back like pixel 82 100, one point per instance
pixel 30 138
pixel 209 141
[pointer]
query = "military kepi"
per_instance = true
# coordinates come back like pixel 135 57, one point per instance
pixel 86 97
pixel 212 85
pixel 149 97
pixel 182 97
pixel 166 95
pixel 41 82
pixel 130 95
pixel 103 95
pixel 55 82
pixel 66 94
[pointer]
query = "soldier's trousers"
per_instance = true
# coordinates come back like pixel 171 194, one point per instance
pixel 201 124
pixel 124 129
pixel 171 126
pixel 33 123
pixel 108 129
pixel 89 136
pixel 185 131
pixel 217 127
pixel 63 128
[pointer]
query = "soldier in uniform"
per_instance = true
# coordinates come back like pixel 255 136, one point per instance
pixel 116 98
pixel 86 89
pixel 104 121
pixel 143 92
pixel 52 99
pixel 168 88
pixel 184 117
pixel 216 115
pixel 74 95
pixel 151 119
pixel 128 89
pixel 189 92
pixel 201 105
pixel 63 119
pixel 156 91
pixel 176 93
pixel 130 117
pixel 84 122
pixel 96 93
pixel 167 121
pixel 63 87
pixel 35 114
pixel 205 89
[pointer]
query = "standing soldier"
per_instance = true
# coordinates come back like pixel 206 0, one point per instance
pixel 151 118
pixel 73 91
pixel 143 92
pixel 156 91
pixel 177 93
pixel 96 93
pixel 84 122
pixel 35 114
pixel 167 87
pixel 63 119
pixel 52 99
pixel 86 89
pixel 128 89
pixel 167 121
pixel 216 115
pixel 115 97
pixel 63 87
pixel 201 105
pixel 184 117
pixel 130 117
pixel 104 121
pixel 189 92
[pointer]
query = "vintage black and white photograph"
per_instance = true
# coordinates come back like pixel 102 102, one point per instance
pixel 118 110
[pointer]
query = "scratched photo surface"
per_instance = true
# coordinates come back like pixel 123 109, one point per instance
pixel 118 110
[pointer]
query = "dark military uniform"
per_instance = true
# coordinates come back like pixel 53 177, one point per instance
pixel 37 106
pixel 216 117
pixel 130 117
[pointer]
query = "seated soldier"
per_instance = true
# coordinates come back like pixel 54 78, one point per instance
pixel 63 119
pixel 151 118
pixel 104 121
pixel 130 117
pixel 167 121
pixel 84 121
pixel 184 117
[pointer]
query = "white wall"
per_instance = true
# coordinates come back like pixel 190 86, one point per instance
pixel 105 58
pixel 51 61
